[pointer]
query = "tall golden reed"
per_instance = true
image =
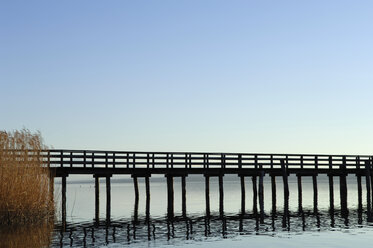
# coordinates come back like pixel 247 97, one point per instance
pixel 25 192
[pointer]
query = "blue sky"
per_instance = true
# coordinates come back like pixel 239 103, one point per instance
pixel 240 76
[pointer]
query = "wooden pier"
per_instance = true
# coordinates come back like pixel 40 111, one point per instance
pixel 104 164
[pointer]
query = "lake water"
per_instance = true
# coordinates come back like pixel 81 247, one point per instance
pixel 309 228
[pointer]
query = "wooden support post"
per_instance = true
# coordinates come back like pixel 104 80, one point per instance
pixel 221 196
pixel 136 187
pixel 368 186
pixel 97 199
pixel 108 198
pixel 51 183
pixel 371 185
pixel 315 198
pixel 183 196
pixel 359 193
pixel 255 196
pixel 286 191
pixel 331 193
pixel 243 194
pixel 147 189
pixel 207 195
pixel 300 205
pixel 170 196
pixel 343 187
pixel 273 183
pixel 64 202
pixel 261 195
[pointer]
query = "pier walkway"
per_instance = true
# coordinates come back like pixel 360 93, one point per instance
pixel 180 164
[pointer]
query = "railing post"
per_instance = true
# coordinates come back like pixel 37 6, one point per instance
pixel 153 161
pixel 330 162
pixel 222 161
pixel 204 161
pixel 172 160
pixel 49 158
pixel 148 160
pixel 134 160
pixel 271 161
pixel 114 159
pixel 190 161
pixel 207 161
pixel 93 159
pixel 106 160
pixel 240 161
pixel 61 158
pixel 301 162
pixel 287 162
pixel 85 159
pixel 316 163
pixel 71 159
pixel 256 161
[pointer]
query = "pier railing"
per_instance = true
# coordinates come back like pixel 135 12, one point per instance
pixel 191 160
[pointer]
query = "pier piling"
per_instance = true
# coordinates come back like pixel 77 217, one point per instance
pixel 273 184
pixel 221 196
pixel 343 186
pixel 170 196
pixel 136 188
pixel 147 189
pixel 368 186
pixel 243 194
pixel 261 195
pixel 255 196
pixel 97 199
pixel 64 201
pixel 331 193
pixel 315 193
pixel 108 198
pixel 207 194
pixel 286 192
pixel 183 196
pixel 299 180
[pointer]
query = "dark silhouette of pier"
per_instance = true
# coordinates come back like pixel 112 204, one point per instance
pixel 104 164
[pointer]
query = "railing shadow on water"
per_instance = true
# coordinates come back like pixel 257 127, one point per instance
pixel 200 228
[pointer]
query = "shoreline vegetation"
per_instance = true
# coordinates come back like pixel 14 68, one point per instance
pixel 26 190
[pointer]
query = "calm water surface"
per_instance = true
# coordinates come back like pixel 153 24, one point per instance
pixel 309 228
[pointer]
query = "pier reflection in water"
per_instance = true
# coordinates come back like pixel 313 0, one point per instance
pixel 161 231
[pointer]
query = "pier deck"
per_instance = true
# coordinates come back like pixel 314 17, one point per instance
pixel 180 164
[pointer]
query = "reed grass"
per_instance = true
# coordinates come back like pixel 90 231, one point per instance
pixel 25 183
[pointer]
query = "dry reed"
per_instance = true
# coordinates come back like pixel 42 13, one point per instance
pixel 25 192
